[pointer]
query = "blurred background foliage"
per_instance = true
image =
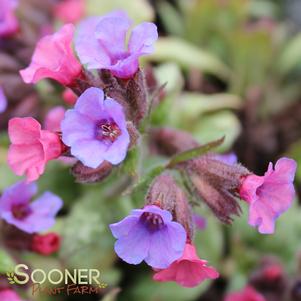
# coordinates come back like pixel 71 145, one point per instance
pixel 231 67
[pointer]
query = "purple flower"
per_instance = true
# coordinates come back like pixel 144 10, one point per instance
pixel 30 217
pixel 199 221
pixel 101 43
pixel 8 21
pixel 229 158
pixel 149 234
pixel 96 129
pixel 270 195
pixel 3 101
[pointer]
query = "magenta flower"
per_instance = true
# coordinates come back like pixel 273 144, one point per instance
pixel 247 294
pixel 8 21
pixel 149 234
pixel 30 217
pixel 188 271
pixel 101 43
pixel 31 147
pixel 3 101
pixel 54 118
pixel 70 11
pixel 96 129
pixel 9 295
pixel 54 58
pixel 270 195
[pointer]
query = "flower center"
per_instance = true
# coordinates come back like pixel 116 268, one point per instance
pixel 152 221
pixel 21 211
pixel 107 130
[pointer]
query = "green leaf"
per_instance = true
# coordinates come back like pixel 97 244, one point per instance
pixel 210 127
pixel 291 56
pixel 130 164
pixel 139 10
pixel 7 263
pixel 192 105
pixel 195 152
pixel 171 18
pixel 188 56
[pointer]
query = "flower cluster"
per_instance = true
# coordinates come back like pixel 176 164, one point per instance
pixel 109 106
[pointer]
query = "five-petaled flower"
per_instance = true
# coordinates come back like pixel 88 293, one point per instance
pixel 188 271
pixel 30 217
pixel 96 129
pixel 31 147
pixel 270 195
pixel 101 43
pixel 149 234
pixel 54 58
pixel 247 294
pixel 8 21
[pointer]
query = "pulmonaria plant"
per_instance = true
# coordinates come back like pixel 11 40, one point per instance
pixel 9 295
pixel 46 244
pixel 187 271
pixel 53 58
pixel 31 147
pixel 247 294
pixel 110 106
pixel 17 209
pixel 8 21
pixel 101 43
pixel 270 195
pixel 96 129
pixel 149 234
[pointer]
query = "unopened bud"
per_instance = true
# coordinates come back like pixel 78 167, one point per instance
pixel 84 174
pixel 216 183
pixel 165 193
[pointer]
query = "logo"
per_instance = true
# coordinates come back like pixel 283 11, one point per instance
pixel 77 281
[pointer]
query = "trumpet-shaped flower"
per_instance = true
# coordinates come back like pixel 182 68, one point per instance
pixel 96 129
pixel 188 271
pixel 270 195
pixel 101 43
pixel 30 217
pixel 149 234
pixel 54 58
pixel 31 147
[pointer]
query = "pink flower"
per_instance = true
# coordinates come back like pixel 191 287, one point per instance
pixel 69 96
pixel 188 271
pixel 70 11
pixel 54 118
pixel 248 294
pixel 54 58
pixel 8 21
pixel 9 295
pixel 270 195
pixel 31 148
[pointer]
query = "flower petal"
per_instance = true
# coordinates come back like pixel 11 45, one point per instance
pixel 133 247
pixel 166 245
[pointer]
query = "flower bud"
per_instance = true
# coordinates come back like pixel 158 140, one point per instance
pixel 84 174
pixel 216 183
pixel 46 244
pixel 165 193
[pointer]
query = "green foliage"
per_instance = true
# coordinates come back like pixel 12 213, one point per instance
pixel 188 56
pixel 7 263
